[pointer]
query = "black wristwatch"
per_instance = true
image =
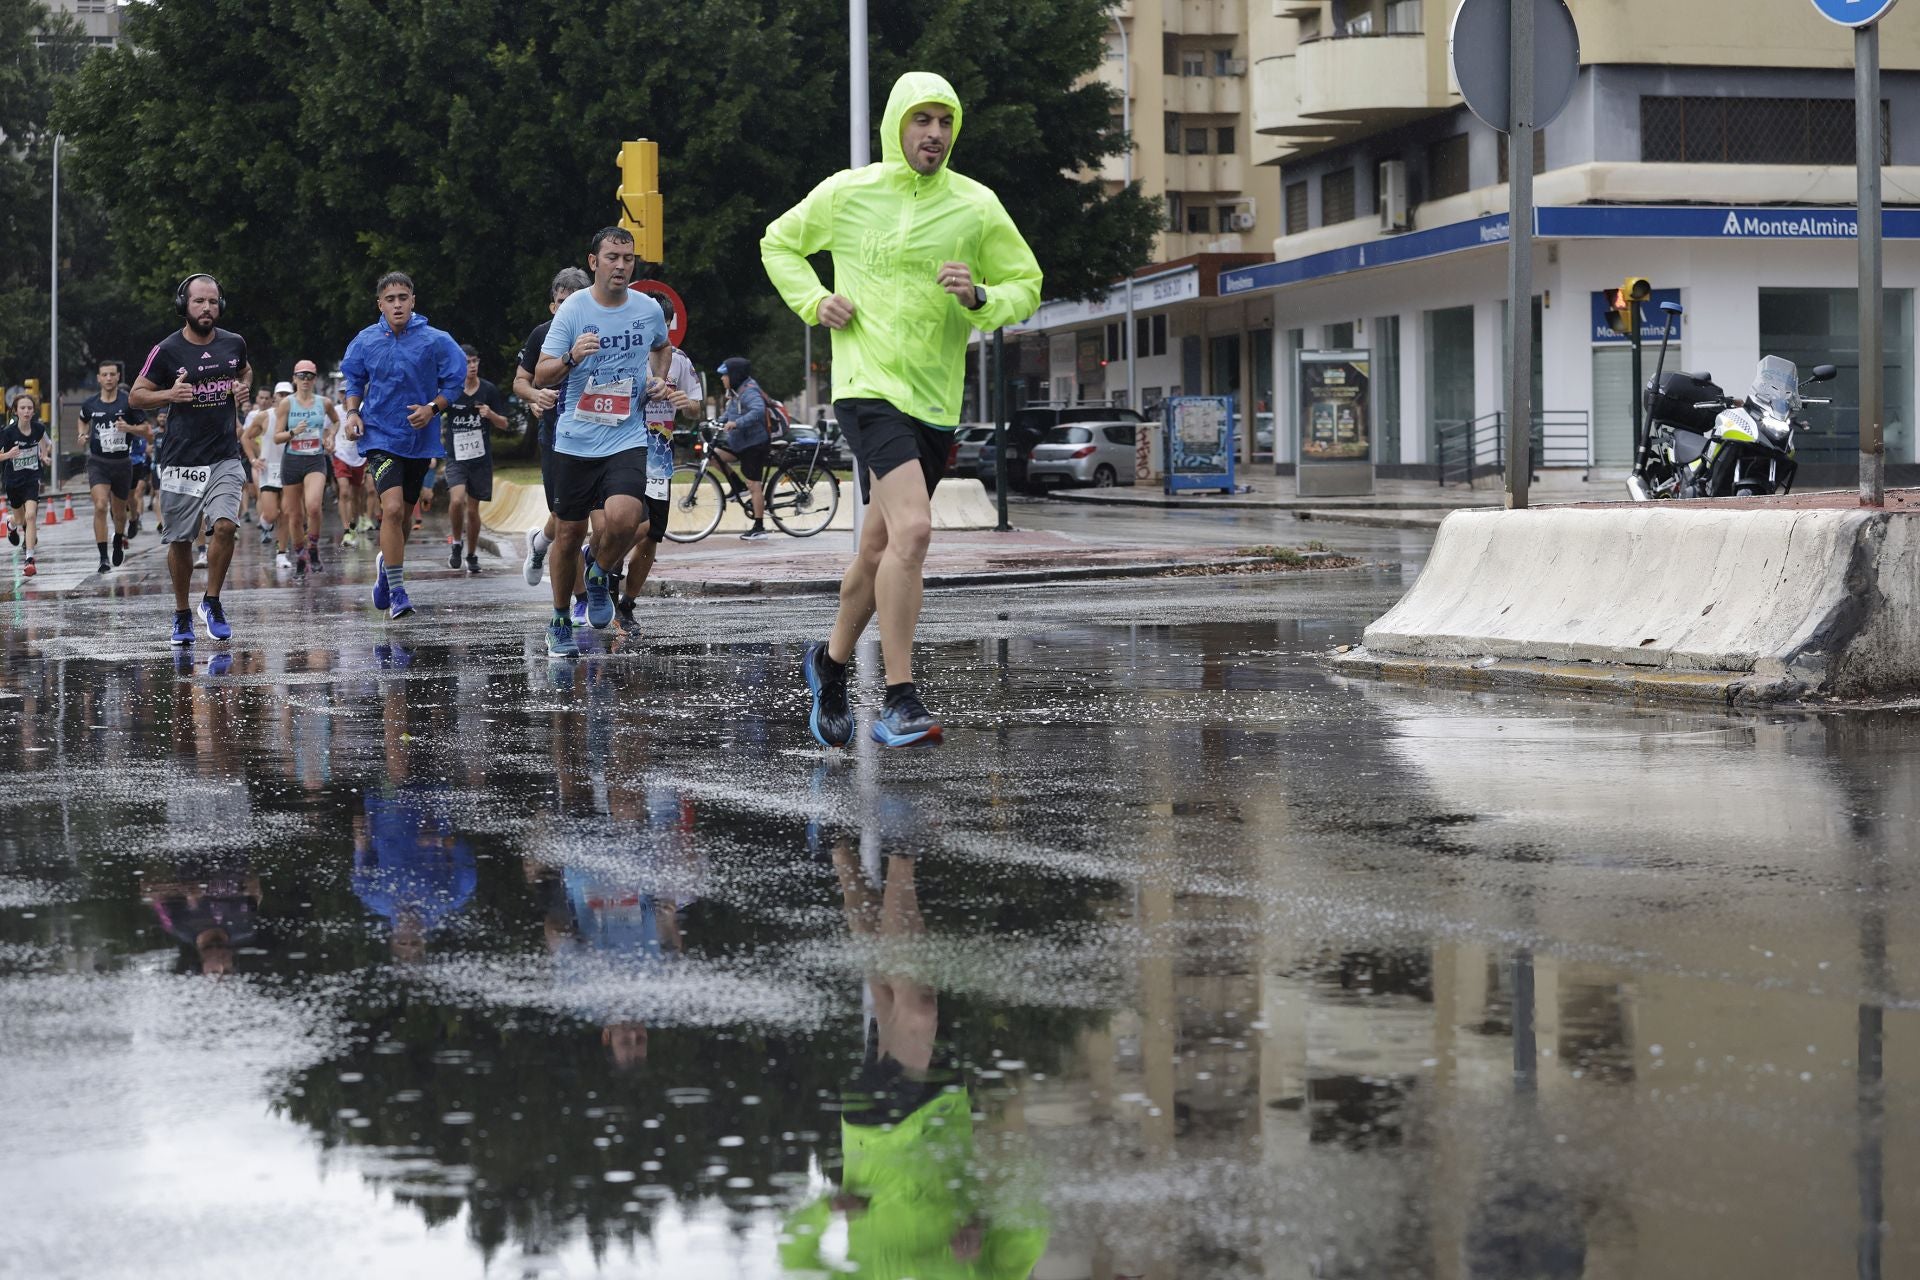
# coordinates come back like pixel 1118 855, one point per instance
pixel 569 360
pixel 979 297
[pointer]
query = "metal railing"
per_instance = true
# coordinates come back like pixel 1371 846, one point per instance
pixel 1466 449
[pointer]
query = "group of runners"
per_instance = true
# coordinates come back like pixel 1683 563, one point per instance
pixel 921 257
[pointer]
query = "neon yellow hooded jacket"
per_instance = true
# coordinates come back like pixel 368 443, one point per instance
pixel 890 229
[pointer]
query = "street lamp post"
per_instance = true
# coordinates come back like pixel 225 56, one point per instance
pixel 1126 127
pixel 53 264
pixel 860 152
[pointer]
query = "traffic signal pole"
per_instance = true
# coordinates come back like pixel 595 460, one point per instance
pixel 1519 142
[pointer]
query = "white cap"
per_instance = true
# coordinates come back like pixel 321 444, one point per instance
pixel 283 388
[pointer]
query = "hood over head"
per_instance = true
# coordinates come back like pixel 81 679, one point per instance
pixel 737 370
pixel 909 91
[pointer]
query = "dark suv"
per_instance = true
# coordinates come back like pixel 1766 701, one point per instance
pixel 1026 428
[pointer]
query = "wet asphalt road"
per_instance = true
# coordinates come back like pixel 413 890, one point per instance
pixel 401 951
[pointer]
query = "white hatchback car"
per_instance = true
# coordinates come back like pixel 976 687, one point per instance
pixel 1095 453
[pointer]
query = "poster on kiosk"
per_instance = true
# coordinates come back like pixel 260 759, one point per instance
pixel 1336 424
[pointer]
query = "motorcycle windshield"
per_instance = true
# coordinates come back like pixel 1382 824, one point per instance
pixel 1776 387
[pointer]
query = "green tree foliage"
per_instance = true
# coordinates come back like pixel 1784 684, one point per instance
pixel 297 151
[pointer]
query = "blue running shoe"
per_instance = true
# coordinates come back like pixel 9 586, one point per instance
pixel 599 598
pixel 560 641
pixel 381 596
pixel 402 607
pixel 906 722
pixel 579 611
pixel 831 720
pixel 182 628
pixel 215 620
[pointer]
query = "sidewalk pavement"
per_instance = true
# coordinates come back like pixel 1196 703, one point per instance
pixel 1406 504
pixel 780 565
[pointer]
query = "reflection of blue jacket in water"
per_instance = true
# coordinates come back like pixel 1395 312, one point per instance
pixel 412 864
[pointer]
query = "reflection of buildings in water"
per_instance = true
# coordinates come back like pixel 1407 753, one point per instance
pixel 409 868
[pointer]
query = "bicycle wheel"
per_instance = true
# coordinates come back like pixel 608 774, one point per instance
pixel 803 500
pixel 694 503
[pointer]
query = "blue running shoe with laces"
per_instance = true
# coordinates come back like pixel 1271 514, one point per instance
pixel 560 641
pixel 830 720
pixel 214 619
pixel 906 722
pixel 182 628
pixel 381 596
pixel 402 607
pixel 599 598
pixel 579 611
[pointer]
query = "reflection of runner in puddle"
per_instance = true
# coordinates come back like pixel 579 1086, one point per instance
pixel 626 911
pixel 408 866
pixel 211 913
pixel 914 1200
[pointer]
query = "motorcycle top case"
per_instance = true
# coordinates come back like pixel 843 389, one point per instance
pixel 1672 400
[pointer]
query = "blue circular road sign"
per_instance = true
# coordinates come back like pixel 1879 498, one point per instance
pixel 1854 13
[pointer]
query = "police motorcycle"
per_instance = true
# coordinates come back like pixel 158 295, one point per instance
pixel 1700 443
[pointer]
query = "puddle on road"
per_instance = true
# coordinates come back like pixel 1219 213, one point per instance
pixel 1183 958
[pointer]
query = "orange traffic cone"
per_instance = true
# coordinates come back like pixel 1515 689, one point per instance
pixel 53 517
pixel 6 519
pixel 66 512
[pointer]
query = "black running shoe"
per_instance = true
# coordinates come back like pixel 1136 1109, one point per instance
pixel 119 547
pixel 453 554
pixel 831 720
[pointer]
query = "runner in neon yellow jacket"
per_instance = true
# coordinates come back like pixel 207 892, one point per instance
pixel 921 255
pixel 890 229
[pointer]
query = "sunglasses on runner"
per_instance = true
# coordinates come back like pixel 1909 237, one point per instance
pixel 303 375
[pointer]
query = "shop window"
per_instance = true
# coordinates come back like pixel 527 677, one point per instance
pixel 1447 167
pixel 1296 208
pixel 1200 218
pixel 1223 140
pixel 1339 337
pixel 1699 130
pixel 1385 388
pixel 1822 326
pixel 1336 198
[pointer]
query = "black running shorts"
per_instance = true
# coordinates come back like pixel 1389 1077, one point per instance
pixel 883 438
pixel 406 474
pixel 115 473
pixel 582 486
pixel 656 519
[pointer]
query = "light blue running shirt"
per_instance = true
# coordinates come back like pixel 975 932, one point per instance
pixel 603 404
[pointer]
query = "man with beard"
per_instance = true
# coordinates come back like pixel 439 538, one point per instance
pixel 198 375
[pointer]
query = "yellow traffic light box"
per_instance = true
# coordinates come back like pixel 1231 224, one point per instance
pixel 642 211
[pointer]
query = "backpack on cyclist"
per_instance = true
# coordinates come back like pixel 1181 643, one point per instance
pixel 779 421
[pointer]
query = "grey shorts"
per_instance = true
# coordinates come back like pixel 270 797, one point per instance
pixel 218 488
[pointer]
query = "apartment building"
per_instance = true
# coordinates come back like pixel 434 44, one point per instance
pixel 100 19
pixel 1709 146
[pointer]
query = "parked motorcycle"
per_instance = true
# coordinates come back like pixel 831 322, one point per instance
pixel 1701 443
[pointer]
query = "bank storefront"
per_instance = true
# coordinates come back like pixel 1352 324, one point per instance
pixel 1429 306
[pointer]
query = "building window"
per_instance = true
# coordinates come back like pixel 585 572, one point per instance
pixel 1403 17
pixel 1200 218
pixel 1447 167
pixel 1753 130
pixel 1193 63
pixel 1336 198
pixel 1196 142
pixel 1172 119
pixel 1223 62
pixel 1113 339
pixel 1174 206
pixel 1539 153
pixel 1223 141
pixel 1151 334
pixel 1296 198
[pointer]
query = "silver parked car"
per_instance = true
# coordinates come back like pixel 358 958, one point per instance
pixel 1095 453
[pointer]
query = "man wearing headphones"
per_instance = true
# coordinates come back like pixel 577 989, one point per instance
pixel 198 375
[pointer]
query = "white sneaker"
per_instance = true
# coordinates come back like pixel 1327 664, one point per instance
pixel 283 563
pixel 535 562
pixel 199 557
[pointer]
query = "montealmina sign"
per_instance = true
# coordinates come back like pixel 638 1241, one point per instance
pixel 1575 222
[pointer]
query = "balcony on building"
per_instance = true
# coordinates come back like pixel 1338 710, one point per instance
pixel 1372 71
pixel 1201 18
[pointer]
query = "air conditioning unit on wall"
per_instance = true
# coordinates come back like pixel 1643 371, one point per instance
pixel 1240 220
pixel 1391 191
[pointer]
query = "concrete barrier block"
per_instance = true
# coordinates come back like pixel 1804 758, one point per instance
pixel 1785 602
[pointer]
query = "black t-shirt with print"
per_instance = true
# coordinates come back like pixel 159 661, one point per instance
pixel 27 465
pixel 206 430
pixel 105 416
pixel 464 415
pixel 529 360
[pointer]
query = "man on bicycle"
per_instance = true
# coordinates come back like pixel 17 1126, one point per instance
pixel 921 256
pixel 746 443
